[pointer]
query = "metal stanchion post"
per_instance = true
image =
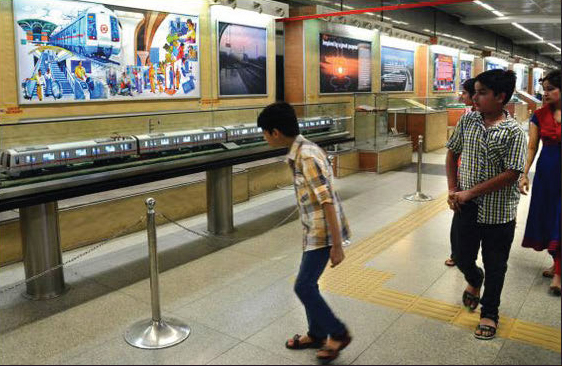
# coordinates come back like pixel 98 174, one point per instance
pixel 419 196
pixel 155 333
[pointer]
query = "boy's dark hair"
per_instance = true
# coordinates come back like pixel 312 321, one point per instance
pixel 468 85
pixel 280 115
pixel 499 81
pixel 553 78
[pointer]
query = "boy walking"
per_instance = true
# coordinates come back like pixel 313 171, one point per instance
pixel 485 195
pixel 324 228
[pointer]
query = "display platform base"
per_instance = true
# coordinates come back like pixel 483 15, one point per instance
pixel 391 157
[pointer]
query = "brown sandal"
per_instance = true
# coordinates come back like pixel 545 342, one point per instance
pixel 450 262
pixel 297 344
pixel 331 353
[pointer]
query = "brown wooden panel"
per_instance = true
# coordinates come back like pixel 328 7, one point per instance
pixel 294 58
pixel 453 116
pixel 368 160
pixel 416 127
pixel 421 71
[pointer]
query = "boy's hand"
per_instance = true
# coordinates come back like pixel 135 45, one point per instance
pixel 452 201
pixel 463 197
pixel 336 255
pixel 524 184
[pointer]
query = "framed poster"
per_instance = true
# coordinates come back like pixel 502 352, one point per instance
pixel 74 51
pixel 397 70
pixel 490 65
pixel 345 65
pixel 537 75
pixel 242 60
pixel 522 73
pixel 444 71
pixel 466 71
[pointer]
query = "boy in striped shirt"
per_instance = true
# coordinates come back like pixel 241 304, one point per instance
pixel 485 194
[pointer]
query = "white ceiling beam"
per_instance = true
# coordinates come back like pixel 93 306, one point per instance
pixel 524 18
pixel 549 53
pixel 536 41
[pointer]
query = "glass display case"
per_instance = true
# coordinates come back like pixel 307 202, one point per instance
pixel 424 104
pixel 426 116
pixel 33 151
pixel 371 129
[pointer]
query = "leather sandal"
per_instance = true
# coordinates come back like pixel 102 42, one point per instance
pixel 486 328
pixel 548 273
pixel 331 353
pixel 470 301
pixel 297 344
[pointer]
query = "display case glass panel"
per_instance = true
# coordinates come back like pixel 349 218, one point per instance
pixel 50 149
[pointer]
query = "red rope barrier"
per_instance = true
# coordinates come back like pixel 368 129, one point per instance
pixel 374 10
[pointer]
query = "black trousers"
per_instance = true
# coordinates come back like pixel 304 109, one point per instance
pixel 496 243
pixel 454 236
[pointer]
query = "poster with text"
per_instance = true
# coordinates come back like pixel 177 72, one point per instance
pixel 537 75
pixel 242 60
pixel 345 65
pixel 397 70
pixel 74 51
pixel 466 71
pixel 444 69
pixel 522 74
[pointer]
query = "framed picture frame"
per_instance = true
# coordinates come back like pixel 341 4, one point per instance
pixel 397 70
pixel 242 60
pixel 71 51
pixel 344 65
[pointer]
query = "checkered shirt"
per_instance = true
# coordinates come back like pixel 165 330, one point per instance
pixel 487 152
pixel 314 185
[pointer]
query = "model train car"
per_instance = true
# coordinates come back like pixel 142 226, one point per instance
pixel 95 33
pixel 27 159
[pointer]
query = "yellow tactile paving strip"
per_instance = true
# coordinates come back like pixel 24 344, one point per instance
pixel 353 279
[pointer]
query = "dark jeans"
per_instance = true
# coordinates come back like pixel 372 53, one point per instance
pixel 454 236
pixel 321 320
pixel 496 243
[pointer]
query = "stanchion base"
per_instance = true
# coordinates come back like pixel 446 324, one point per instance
pixel 45 296
pixel 149 334
pixel 418 197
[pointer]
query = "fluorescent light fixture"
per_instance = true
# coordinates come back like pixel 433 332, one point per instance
pixel 484 5
pixel 498 13
pixel 554 46
pixel 517 25
pixel 490 48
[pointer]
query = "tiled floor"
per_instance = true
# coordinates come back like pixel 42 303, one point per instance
pixel 237 295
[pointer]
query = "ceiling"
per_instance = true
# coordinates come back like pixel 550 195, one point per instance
pixel 541 17
pixel 531 14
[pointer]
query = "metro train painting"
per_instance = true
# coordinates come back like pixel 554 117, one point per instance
pixel 93 34
pixel 35 159
pixel 85 51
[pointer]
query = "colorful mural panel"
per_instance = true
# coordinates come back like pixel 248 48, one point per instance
pixel 74 51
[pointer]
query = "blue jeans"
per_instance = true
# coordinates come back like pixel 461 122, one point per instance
pixel 321 320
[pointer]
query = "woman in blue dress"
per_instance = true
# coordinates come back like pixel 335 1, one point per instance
pixel 543 223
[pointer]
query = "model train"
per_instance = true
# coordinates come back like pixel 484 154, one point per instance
pixel 95 33
pixel 32 159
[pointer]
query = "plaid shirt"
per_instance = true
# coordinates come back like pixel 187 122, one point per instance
pixel 314 185
pixel 486 153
